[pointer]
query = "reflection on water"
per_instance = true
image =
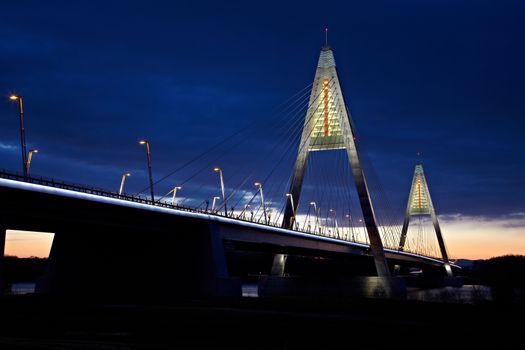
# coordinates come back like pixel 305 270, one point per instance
pixel 470 294
pixel 467 294
pixel 250 290
pixel 22 288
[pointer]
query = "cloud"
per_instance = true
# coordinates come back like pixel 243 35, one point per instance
pixel 8 147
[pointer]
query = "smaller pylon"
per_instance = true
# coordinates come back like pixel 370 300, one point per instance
pixel 420 203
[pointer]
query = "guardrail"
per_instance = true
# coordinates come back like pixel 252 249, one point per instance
pixel 44 181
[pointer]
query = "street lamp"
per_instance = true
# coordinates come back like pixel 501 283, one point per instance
pixel 259 186
pixel 336 228
pixel 124 176
pixel 292 219
pixel 364 230
pixel 246 206
pixel 213 203
pixel 148 153
pixel 30 157
pixel 174 190
pixel 316 212
pixel 22 132
pixel 350 226
pixel 219 170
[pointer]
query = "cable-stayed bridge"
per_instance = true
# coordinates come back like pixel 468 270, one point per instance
pixel 298 205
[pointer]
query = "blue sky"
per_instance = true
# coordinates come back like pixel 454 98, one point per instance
pixel 441 77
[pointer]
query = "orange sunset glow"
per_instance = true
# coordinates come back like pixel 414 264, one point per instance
pixel 467 237
pixel 25 244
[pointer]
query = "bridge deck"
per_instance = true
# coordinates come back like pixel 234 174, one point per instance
pixel 63 189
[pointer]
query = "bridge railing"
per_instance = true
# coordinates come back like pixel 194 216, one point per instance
pixel 44 181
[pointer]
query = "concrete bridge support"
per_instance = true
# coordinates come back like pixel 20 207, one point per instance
pixel 279 264
pixel 101 249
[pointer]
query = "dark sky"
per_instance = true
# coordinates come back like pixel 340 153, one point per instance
pixel 442 77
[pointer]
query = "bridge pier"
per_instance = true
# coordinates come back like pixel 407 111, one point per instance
pixel 279 264
pixel 139 263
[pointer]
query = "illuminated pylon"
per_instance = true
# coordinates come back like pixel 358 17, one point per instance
pixel 328 127
pixel 420 203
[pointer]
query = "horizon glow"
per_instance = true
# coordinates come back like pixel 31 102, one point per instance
pixel 467 237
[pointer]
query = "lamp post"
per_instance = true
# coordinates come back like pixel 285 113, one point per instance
pixel 148 153
pixel 292 219
pixel 213 203
pixel 246 206
pixel 22 132
pixel 364 230
pixel 316 215
pixel 350 227
pixel 259 186
pixel 124 176
pixel 174 190
pixel 30 157
pixel 219 170
pixel 336 228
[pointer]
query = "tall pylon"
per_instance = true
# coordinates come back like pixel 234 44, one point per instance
pixel 328 126
pixel 420 203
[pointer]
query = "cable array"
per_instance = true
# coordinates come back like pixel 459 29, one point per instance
pixel 264 152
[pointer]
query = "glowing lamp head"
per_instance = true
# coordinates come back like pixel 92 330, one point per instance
pixel 312 203
pixel 288 194
pixel 178 187
pixel 34 151
pixel 142 142
pixel 216 197
pixel 13 97
pixel 216 169
pixel 127 174
pixel 258 184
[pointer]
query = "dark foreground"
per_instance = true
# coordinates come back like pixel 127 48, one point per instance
pixel 39 322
